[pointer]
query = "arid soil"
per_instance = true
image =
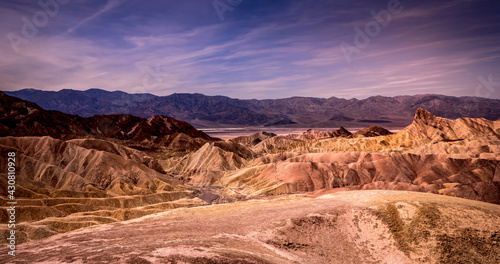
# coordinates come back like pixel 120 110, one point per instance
pixel 346 227
pixel 122 193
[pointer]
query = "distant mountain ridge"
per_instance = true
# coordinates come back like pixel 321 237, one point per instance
pixel 23 118
pixel 213 111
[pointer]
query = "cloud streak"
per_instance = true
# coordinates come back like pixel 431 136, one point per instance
pixel 110 5
pixel 261 50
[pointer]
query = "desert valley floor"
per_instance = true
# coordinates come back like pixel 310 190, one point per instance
pixel 124 189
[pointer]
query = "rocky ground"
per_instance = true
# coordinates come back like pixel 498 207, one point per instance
pixel 123 194
pixel 345 227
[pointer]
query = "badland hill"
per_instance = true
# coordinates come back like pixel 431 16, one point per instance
pixel 157 190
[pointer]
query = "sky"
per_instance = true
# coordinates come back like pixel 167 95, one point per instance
pixel 262 49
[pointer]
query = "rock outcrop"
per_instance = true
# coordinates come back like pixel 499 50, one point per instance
pixel 62 186
pixel 372 131
pixel 316 134
pixel 252 140
pixel 452 157
pixel 22 118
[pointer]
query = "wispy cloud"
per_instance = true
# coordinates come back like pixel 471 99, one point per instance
pixel 110 5
pixel 263 50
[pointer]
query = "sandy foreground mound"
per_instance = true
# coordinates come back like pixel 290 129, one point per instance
pixel 346 227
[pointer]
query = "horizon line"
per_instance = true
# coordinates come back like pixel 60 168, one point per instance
pixel 282 98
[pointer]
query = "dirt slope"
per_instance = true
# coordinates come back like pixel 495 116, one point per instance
pixel 347 227
pixel 62 186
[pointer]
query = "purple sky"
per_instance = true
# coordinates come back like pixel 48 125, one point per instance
pixel 260 49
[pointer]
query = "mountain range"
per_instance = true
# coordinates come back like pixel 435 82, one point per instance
pixel 23 118
pixel 218 111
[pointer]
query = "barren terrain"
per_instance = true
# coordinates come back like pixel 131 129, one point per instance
pixel 346 227
pixel 156 190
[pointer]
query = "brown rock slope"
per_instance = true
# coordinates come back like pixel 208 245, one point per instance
pixel 347 227
pixel 88 177
pixel 23 118
pixel 468 178
pixel 316 134
pixel 460 136
pixel 437 155
pixel 211 160
pixel 91 178
pixel 62 186
pixel 253 139
pixel 372 131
